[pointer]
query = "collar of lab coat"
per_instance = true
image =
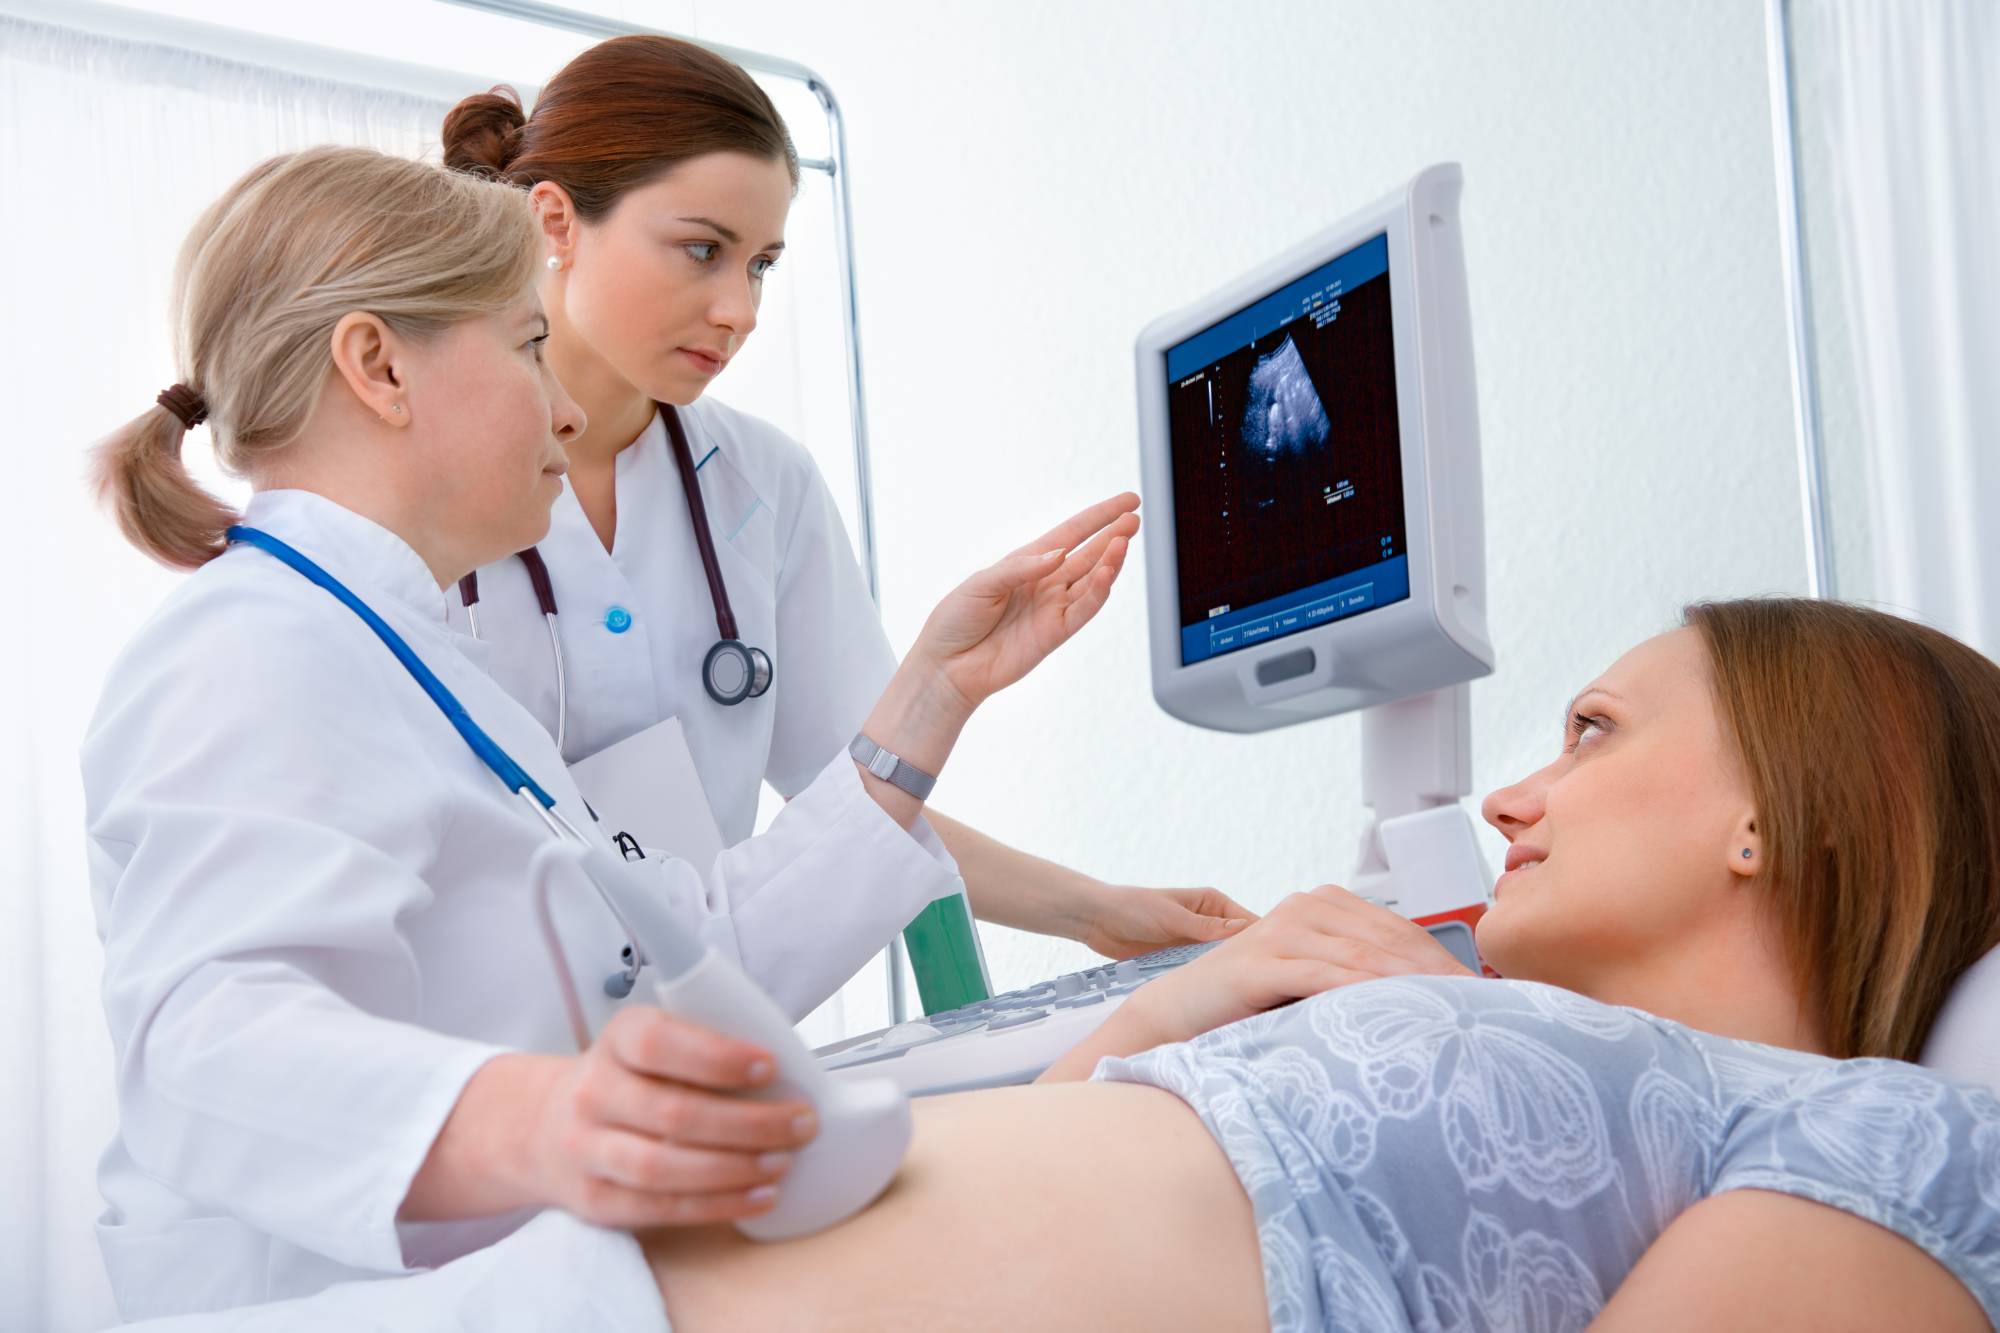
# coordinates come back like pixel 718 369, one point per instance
pixel 353 549
pixel 639 473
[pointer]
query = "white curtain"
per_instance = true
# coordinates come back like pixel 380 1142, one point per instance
pixel 1911 92
pixel 109 150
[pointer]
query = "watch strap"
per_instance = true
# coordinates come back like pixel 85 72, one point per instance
pixel 891 768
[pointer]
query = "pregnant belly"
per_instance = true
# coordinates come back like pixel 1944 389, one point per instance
pixel 1077 1205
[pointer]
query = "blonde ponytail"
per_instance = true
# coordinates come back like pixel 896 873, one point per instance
pixel 161 509
pixel 269 269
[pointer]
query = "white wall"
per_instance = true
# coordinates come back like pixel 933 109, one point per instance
pixel 1034 181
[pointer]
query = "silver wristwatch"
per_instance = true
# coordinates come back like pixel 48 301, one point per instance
pixel 892 768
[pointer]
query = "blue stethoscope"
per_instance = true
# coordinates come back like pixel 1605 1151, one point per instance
pixel 733 670
pixel 619 984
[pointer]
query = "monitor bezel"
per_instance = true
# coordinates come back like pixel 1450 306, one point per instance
pixel 1383 625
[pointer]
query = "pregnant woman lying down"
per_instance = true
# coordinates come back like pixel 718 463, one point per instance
pixel 1766 849
pixel 1734 903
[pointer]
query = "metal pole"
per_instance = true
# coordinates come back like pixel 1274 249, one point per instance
pixel 835 167
pixel 843 234
pixel 1792 248
pixel 857 407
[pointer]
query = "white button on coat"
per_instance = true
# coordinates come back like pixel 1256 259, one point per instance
pixel 316 925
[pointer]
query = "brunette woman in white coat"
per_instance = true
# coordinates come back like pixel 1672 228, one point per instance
pixel 662 177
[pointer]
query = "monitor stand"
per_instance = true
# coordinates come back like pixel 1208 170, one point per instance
pixel 1419 854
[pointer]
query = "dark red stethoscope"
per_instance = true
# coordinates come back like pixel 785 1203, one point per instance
pixel 732 672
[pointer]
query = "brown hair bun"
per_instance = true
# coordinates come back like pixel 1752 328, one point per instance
pixel 619 116
pixel 482 134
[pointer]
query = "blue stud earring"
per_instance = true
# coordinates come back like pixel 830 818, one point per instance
pixel 1746 853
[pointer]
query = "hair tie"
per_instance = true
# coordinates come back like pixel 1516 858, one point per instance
pixel 185 403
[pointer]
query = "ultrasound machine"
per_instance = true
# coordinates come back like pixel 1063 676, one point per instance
pixel 1309 458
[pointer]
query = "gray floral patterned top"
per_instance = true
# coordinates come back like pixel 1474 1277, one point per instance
pixel 1439 1153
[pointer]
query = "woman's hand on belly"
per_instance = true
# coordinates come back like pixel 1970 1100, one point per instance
pixel 645 1129
pixel 1309 943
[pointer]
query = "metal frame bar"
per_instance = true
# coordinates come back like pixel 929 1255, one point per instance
pixel 835 165
pixel 1798 298
pixel 116 23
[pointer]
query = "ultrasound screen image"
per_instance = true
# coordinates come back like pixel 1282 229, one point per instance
pixel 1287 458
pixel 1284 414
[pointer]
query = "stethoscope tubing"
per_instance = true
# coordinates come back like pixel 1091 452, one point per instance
pixel 704 539
pixel 488 750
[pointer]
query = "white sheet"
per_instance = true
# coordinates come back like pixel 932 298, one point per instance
pixel 554 1273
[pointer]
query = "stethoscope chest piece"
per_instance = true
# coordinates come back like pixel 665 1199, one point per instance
pixel 733 671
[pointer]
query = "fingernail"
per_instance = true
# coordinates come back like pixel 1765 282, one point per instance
pixel 1050 555
pixel 774 1162
pixel 763 1194
pixel 804 1123
pixel 759 1070
pixel 1235 921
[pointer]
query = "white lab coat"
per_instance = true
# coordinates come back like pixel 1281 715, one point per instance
pixel 316 925
pixel 793 582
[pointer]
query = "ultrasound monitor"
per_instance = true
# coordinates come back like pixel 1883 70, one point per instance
pixel 1310 459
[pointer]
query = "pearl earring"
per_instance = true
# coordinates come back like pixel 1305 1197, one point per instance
pixel 555 263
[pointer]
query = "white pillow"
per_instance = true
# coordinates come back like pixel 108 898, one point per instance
pixel 1965 1041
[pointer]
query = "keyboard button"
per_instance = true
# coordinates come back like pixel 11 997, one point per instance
pixel 1079 1001
pixel 1127 970
pixel 1068 986
pixel 1015 1019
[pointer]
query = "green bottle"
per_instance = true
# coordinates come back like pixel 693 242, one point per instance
pixel 944 954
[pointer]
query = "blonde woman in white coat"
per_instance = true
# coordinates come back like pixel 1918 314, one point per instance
pixel 340 1049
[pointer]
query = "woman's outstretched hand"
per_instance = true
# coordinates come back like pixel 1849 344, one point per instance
pixel 997 625
pixel 988 633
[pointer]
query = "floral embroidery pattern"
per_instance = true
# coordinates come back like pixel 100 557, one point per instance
pixel 1452 1154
